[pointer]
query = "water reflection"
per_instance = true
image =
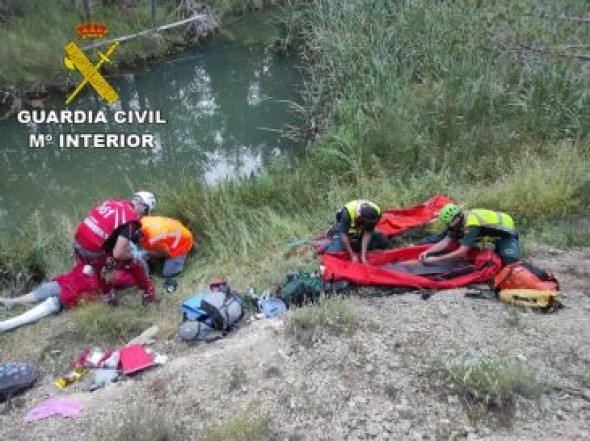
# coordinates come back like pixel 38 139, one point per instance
pixel 219 102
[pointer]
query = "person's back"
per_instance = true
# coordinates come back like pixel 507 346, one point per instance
pixel 164 233
pixel 466 228
pixel 355 230
pixel 101 222
pixel 490 223
pixel 166 238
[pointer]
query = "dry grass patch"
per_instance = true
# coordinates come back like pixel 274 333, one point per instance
pixel 97 322
pixel 493 380
pixel 245 426
pixel 140 423
pixel 335 316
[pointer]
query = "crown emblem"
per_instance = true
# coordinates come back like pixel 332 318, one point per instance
pixel 92 30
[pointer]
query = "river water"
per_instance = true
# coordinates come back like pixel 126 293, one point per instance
pixel 224 104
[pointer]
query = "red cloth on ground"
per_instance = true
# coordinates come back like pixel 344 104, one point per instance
pixel 396 221
pixel 338 267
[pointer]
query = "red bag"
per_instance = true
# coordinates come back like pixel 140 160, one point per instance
pixel 519 276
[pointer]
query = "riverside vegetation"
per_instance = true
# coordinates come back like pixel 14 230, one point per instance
pixel 32 34
pixel 486 102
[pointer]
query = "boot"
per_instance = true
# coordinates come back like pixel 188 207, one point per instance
pixel 139 273
pixel 149 296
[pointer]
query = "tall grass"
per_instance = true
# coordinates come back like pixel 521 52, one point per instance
pixel 33 252
pixel 32 42
pixel 427 85
pixel 223 7
pixel 34 34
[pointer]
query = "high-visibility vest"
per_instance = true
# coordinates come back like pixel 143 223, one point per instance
pixel 165 233
pixel 102 221
pixel 494 220
pixel 354 211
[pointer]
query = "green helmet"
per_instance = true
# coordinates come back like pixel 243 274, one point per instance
pixel 448 213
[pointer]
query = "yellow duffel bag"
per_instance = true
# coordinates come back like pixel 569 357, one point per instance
pixel 531 298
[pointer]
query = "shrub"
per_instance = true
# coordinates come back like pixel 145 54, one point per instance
pixel 335 316
pixel 540 187
pixel 238 378
pixel 138 423
pixel 494 380
pixel 245 426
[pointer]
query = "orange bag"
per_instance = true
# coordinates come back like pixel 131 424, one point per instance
pixel 518 276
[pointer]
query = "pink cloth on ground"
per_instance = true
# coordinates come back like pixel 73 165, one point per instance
pixel 66 407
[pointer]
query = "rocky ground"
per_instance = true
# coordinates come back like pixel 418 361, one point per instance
pixel 382 382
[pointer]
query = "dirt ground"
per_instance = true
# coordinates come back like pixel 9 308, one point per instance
pixel 380 383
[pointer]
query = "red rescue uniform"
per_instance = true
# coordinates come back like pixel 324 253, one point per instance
pixel 102 222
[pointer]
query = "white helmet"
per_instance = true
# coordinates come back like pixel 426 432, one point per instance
pixel 146 198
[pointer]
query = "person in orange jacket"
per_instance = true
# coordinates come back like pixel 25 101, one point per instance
pixel 166 239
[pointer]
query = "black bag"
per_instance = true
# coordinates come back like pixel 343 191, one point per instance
pixel 15 378
pixel 541 274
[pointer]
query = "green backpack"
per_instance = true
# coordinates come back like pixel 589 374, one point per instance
pixel 300 288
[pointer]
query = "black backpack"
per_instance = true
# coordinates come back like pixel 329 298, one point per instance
pixel 15 378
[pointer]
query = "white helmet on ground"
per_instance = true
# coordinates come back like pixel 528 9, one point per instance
pixel 146 198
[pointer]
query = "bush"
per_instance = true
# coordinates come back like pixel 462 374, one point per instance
pixel 245 426
pixel 138 423
pixel 335 316
pixel 540 187
pixel 493 380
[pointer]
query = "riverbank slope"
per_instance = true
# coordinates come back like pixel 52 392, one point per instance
pixel 487 103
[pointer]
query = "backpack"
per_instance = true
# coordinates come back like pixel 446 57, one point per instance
pixel 224 307
pixel 520 275
pixel 15 378
pixel 300 288
pixel 209 314
pixel 196 330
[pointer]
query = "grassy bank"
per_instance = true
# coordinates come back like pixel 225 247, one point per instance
pixel 33 35
pixel 411 99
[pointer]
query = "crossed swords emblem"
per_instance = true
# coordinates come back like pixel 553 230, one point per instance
pixel 77 60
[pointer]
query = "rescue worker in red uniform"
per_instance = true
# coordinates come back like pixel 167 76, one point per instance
pixel 103 239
